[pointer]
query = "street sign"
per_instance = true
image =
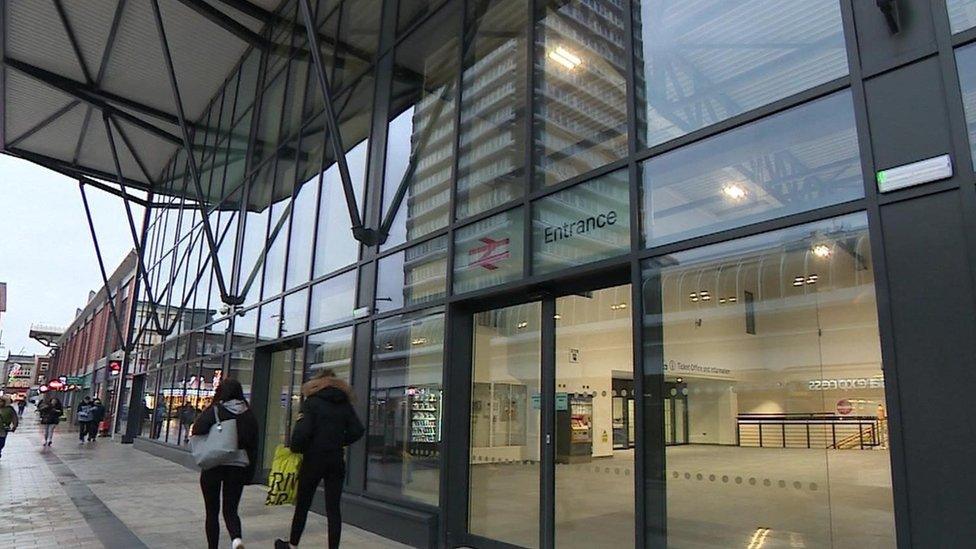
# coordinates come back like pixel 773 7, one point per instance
pixel 73 380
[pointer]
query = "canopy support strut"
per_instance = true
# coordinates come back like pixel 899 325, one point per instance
pixel 191 160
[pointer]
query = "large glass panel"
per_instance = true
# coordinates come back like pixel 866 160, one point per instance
pixel 242 369
pixel 280 402
pixel 293 313
pixel 269 324
pixel 420 137
pixel 966 63
pixel 303 213
pixel 281 210
pixel 489 252
pixel 406 407
pixel 245 327
pixel 585 223
pixel 594 475
pixel 333 300
pixel 491 159
pixel 258 212
pixel 414 276
pixel 332 350
pixel 334 245
pixel 798 160
pixel 703 62
pixel 506 424
pixel 765 353
pixel 962 14
pixel 581 54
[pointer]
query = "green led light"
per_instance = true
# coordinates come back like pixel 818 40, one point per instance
pixel 882 177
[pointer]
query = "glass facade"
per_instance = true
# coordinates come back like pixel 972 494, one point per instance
pixel 626 226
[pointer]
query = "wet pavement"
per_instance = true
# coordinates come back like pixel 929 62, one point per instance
pixel 105 494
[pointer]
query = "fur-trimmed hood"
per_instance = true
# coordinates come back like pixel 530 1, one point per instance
pixel 329 388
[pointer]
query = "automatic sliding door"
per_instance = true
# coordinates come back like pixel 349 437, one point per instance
pixel 505 435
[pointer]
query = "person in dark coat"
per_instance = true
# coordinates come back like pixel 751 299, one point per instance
pixel 97 417
pixel 83 415
pixel 50 410
pixel 327 424
pixel 230 404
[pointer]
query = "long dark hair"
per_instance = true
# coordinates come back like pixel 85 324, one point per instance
pixel 229 389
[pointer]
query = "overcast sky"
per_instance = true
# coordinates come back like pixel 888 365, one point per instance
pixel 46 254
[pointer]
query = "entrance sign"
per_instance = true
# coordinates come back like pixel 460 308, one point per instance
pixel 916 173
pixel 585 223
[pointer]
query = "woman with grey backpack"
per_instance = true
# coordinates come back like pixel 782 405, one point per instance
pixel 229 475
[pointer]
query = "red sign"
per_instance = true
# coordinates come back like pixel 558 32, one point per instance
pixel 490 254
pixel 844 407
pixel 115 366
pixel 55 384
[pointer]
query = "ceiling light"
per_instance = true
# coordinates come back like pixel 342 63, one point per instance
pixel 557 316
pixel 521 325
pixel 618 306
pixel 733 299
pixel 735 192
pixel 821 250
pixel 565 58
pixel 419 341
pixel 721 300
pixel 798 281
pixel 812 279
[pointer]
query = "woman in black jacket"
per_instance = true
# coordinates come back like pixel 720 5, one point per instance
pixel 230 404
pixel 328 423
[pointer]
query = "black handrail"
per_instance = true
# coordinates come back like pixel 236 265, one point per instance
pixel 865 437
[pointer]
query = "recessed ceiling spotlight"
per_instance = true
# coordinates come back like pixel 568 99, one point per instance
pixel 821 250
pixel 798 281
pixel 812 279
pixel 733 299
pixel 733 191
pixel 721 300
pixel 618 306
pixel 557 316
pixel 419 341
pixel 522 324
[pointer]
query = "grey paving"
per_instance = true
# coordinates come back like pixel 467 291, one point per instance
pixel 109 495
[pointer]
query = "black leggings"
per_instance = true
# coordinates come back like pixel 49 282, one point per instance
pixel 232 479
pixel 331 469
pixel 88 429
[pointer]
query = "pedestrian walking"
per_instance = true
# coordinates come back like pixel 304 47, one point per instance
pixel 228 403
pixel 50 410
pixel 328 423
pixel 98 415
pixel 83 416
pixel 21 404
pixel 9 420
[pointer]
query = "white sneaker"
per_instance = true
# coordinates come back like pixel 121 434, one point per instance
pixel 238 543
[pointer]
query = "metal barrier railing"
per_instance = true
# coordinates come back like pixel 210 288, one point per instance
pixel 807 431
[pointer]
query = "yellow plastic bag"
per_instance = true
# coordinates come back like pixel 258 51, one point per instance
pixel 283 478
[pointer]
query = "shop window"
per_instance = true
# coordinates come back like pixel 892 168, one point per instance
pixel 489 252
pixel 703 62
pixel 406 407
pixel 798 160
pixel 778 429
pixel 966 63
pixel 491 161
pixel 581 57
pixel 150 400
pixel 420 135
pixel 414 276
pixel 333 300
pixel 962 14
pixel 585 223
